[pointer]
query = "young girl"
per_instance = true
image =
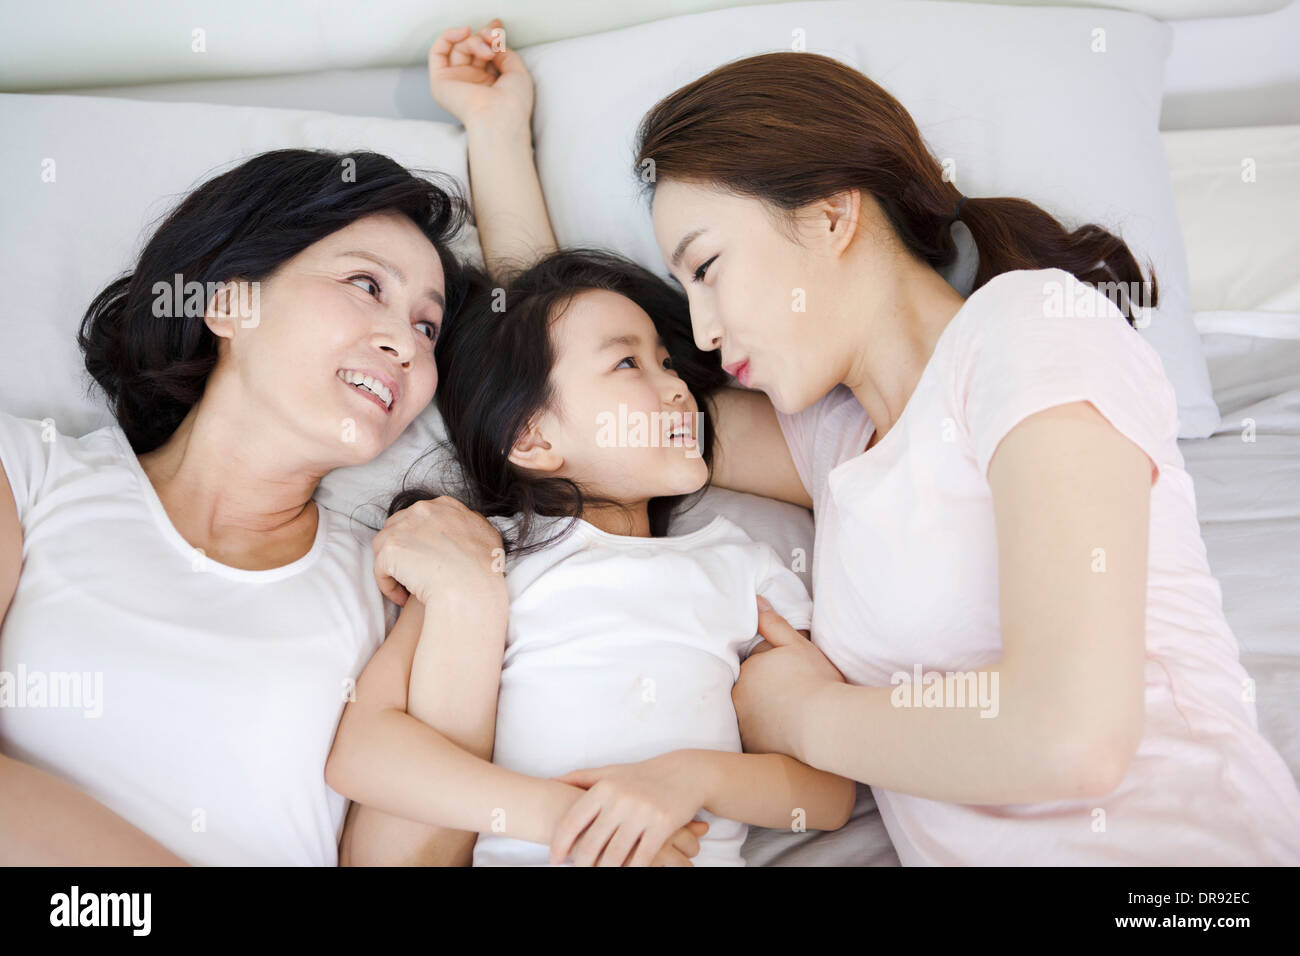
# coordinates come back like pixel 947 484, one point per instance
pixel 577 431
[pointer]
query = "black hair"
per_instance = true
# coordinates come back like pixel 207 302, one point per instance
pixel 494 376
pixel 243 224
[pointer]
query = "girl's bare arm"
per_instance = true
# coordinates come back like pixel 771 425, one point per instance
pixel 392 762
pixel 482 82
pixel 454 673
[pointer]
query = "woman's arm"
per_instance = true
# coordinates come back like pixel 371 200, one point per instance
pixel 751 453
pixel 484 84
pixel 771 790
pixel 11 545
pixel 1067 696
pixel 46 821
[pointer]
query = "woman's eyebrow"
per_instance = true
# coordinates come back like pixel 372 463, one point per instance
pixel 384 264
pixel 686 241
pixel 395 272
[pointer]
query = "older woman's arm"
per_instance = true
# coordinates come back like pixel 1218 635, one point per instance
pixel 44 820
pixel 1069 693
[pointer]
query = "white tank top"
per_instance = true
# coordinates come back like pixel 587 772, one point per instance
pixel 195 700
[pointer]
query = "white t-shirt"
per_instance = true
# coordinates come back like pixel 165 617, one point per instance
pixel 195 700
pixel 905 573
pixel 623 648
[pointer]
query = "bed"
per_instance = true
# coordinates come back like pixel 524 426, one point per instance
pixel 1242 293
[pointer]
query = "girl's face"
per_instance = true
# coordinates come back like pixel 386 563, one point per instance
pixel 623 424
pixel 767 301
pixel 366 300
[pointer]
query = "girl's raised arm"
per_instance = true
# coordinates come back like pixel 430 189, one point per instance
pixel 485 85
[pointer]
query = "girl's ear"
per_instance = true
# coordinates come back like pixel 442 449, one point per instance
pixel 533 452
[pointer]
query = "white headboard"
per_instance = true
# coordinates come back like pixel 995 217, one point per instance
pixel 84 43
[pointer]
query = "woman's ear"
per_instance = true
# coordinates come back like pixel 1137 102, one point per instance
pixel 840 215
pixel 230 304
pixel 533 452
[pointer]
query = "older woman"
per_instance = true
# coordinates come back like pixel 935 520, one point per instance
pixel 173 570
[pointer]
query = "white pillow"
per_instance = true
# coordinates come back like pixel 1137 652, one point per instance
pixel 1016 96
pixel 84 179
pixel 1238 198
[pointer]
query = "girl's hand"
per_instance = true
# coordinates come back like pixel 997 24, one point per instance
pixel 774 685
pixel 629 810
pixel 478 80
pixel 439 549
pixel 682 845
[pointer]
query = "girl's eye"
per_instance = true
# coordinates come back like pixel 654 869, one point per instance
pixel 370 279
pixel 629 358
pixel 699 273
pixel 432 335
pixel 668 362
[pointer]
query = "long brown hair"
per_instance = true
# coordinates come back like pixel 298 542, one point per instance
pixel 796 128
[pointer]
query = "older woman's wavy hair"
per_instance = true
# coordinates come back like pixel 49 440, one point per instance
pixel 242 224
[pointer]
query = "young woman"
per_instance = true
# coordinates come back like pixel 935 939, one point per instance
pixel 1000 499
pixel 623 643
pixel 175 564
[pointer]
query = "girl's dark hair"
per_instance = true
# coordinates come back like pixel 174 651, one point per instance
pixel 494 376
pixel 242 224
pixel 796 128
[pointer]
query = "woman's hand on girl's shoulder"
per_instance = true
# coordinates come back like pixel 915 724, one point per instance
pixel 437 550
pixel 479 80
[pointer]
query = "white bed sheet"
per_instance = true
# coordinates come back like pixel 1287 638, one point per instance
pixel 1248 502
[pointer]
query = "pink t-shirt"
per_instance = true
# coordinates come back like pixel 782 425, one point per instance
pixel 905 573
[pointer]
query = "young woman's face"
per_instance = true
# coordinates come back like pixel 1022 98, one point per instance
pixel 366 300
pixel 620 409
pixel 764 299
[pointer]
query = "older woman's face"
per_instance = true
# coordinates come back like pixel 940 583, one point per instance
pixel 766 301
pixel 341 352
